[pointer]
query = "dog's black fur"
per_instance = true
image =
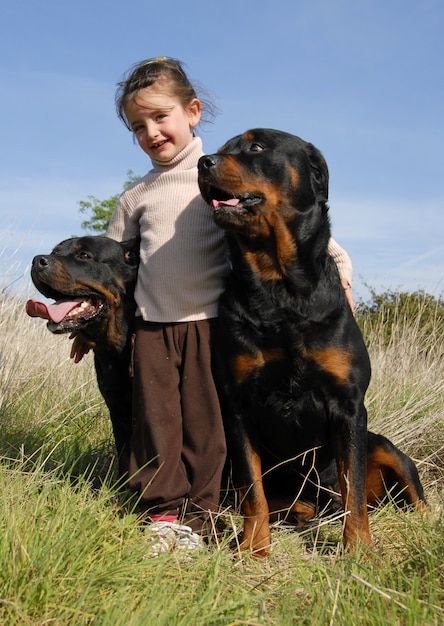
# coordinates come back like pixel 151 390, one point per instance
pixel 102 273
pixel 294 366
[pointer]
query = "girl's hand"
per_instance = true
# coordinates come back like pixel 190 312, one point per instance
pixel 348 294
pixel 79 347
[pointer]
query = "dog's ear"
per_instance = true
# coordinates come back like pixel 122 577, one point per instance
pixel 319 173
pixel 131 249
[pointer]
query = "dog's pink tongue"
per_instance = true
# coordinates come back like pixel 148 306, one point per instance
pixel 54 312
pixel 218 203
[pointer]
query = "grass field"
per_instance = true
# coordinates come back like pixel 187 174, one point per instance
pixel 72 553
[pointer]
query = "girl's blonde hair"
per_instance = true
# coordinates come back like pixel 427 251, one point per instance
pixel 146 73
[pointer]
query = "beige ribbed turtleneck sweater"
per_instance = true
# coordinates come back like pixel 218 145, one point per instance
pixel 183 256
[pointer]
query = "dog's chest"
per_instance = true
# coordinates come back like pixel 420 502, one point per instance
pixel 270 353
pixel 280 352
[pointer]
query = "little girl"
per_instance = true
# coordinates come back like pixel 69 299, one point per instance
pixel 178 445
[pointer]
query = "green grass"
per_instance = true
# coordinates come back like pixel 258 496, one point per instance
pixel 72 552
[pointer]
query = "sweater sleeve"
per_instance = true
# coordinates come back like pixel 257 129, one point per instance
pixel 121 226
pixel 342 260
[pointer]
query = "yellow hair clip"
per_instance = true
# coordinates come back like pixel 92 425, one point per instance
pixel 156 60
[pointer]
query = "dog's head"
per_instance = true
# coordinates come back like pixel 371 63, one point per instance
pixel 267 185
pixel 259 174
pixel 92 280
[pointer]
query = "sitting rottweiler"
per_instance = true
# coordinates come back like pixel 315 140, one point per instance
pixel 92 280
pixel 293 364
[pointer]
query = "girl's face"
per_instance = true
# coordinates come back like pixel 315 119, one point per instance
pixel 161 124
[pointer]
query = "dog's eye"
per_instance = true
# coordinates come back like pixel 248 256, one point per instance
pixel 256 147
pixel 84 256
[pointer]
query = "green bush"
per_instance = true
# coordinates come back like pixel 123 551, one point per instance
pixel 391 312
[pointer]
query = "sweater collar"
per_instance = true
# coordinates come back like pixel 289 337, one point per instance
pixel 186 159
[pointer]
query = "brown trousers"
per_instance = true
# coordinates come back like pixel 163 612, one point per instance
pixel 178 444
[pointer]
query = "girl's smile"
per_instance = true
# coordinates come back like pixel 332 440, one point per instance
pixel 162 126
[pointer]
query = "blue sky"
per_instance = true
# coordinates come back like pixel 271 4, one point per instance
pixel 362 80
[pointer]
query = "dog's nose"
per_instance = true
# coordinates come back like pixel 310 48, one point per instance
pixel 207 162
pixel 40 261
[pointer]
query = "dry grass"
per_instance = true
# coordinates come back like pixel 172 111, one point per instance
pixel 69 555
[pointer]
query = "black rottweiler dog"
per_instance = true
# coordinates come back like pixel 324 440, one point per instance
pixel 294 366
pixel 92 280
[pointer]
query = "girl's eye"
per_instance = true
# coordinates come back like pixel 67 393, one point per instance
pixel 256 147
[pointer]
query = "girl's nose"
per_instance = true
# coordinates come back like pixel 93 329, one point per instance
pixel 152 129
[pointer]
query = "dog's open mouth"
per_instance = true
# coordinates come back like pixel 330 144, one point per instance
pixel 67 313
pixel 219 199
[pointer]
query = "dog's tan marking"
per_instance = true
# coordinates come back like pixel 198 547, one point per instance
pixel 245 364
pixel 378 462
pixel 294 176
pixel 298 512
pixel 335 362
pixel 356 526
pixel 256 532
pixel 113 321
pixel 271 262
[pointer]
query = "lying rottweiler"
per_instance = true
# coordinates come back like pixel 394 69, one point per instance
pixel 294 367
pixel 92 280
